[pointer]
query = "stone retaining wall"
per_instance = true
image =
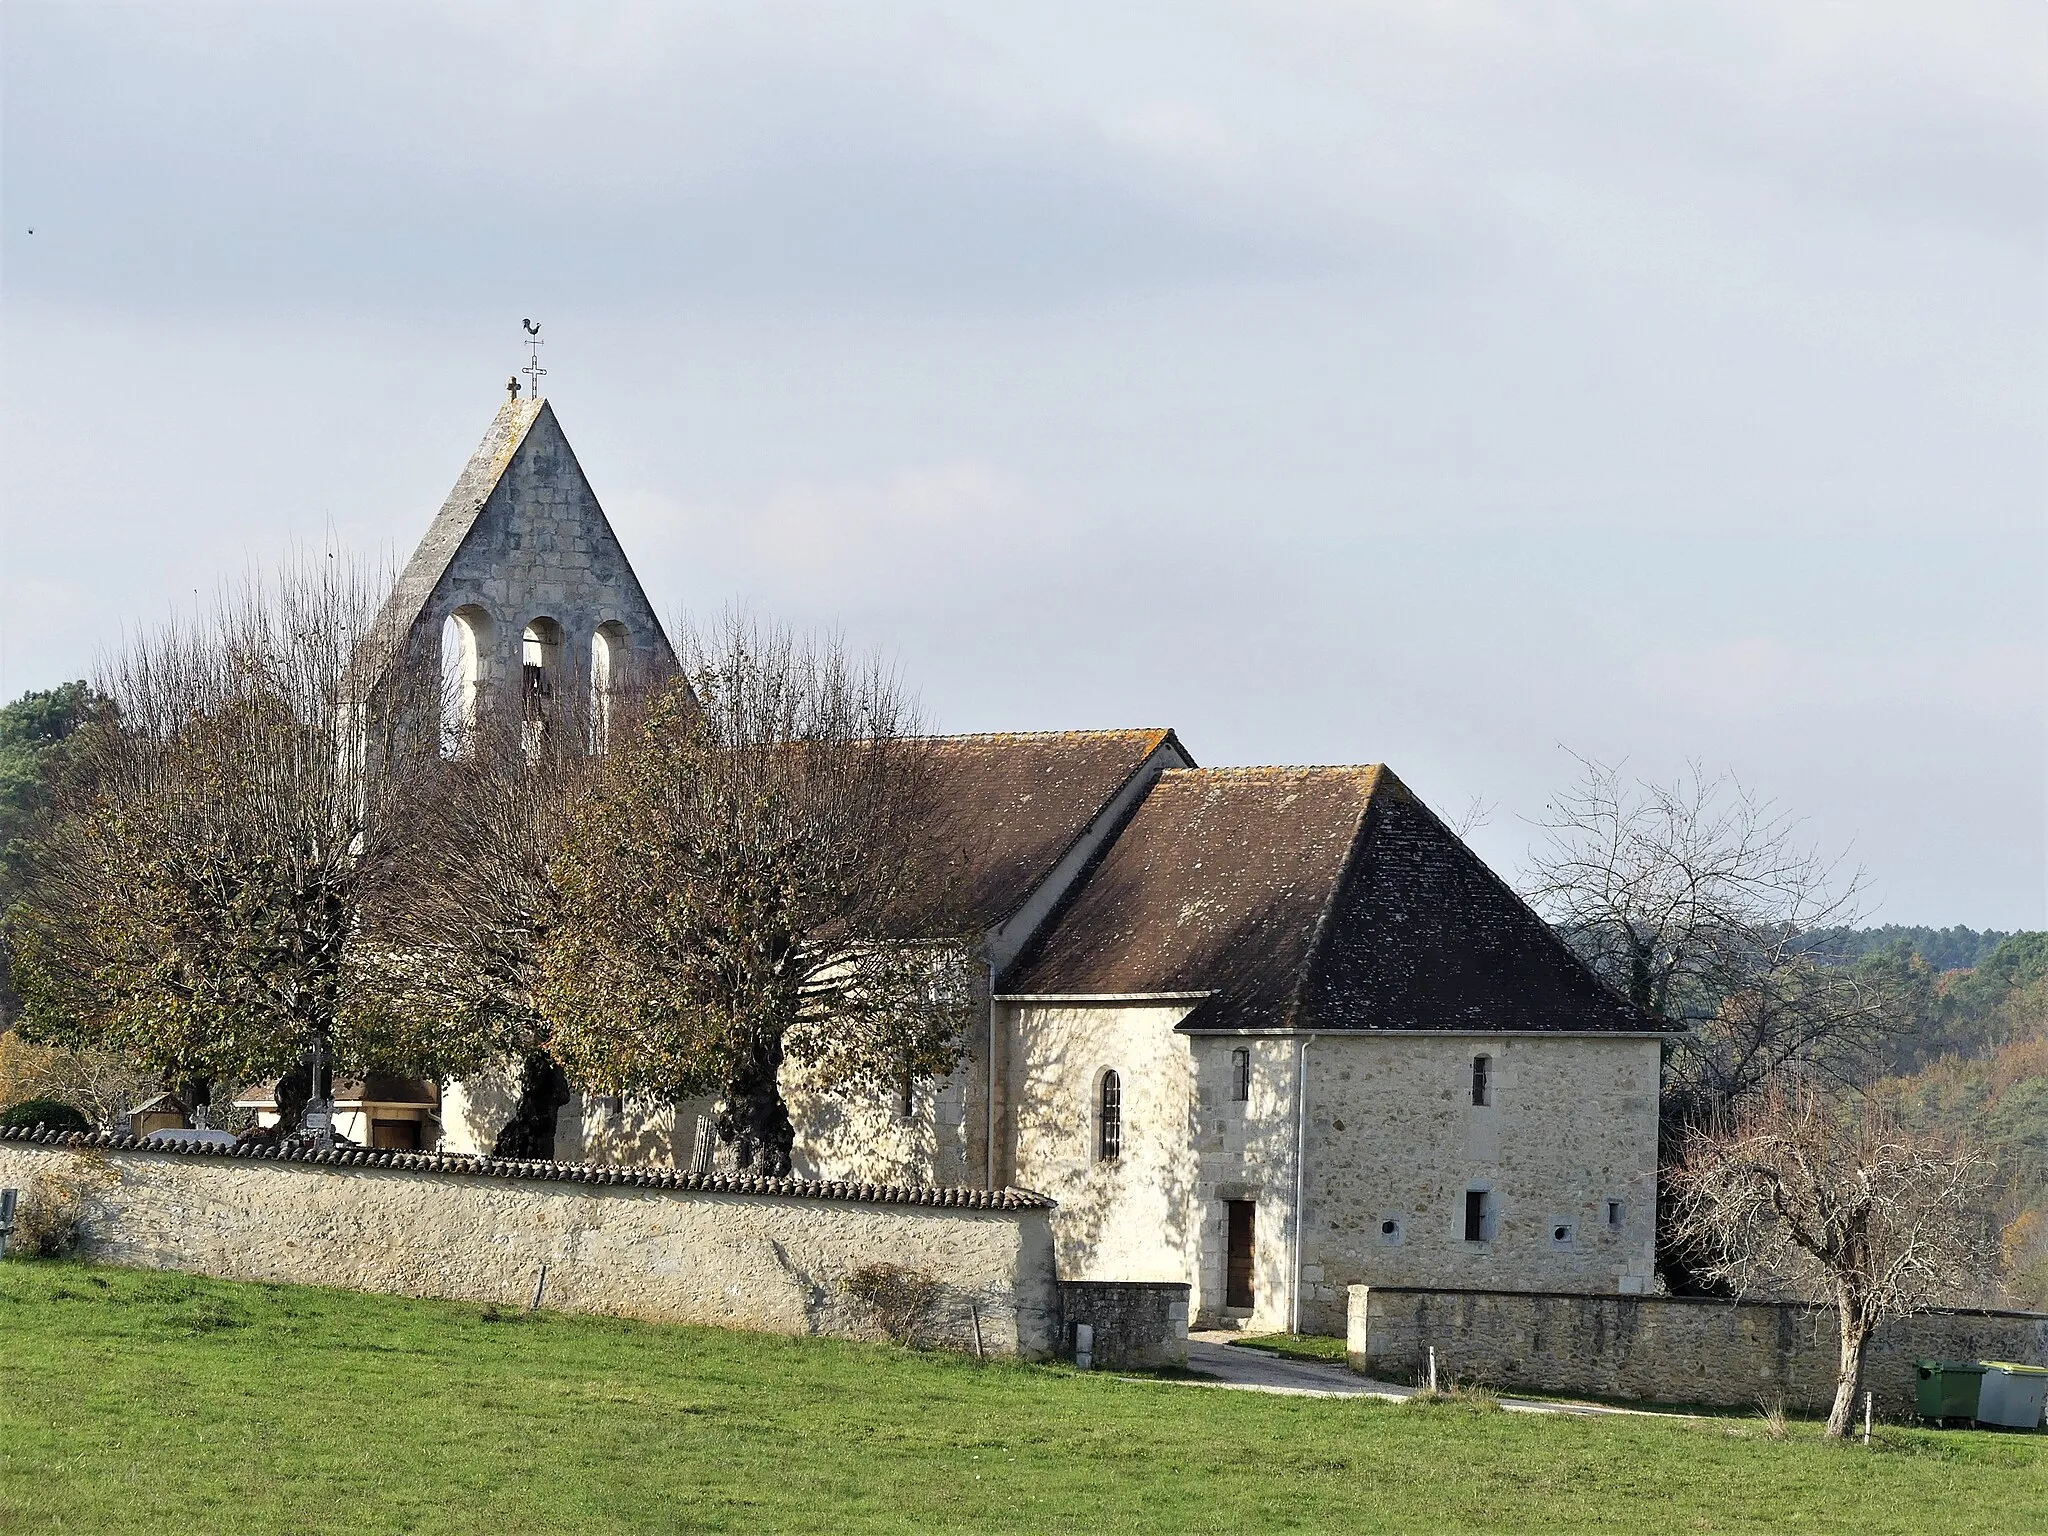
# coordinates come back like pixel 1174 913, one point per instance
pixel 1663 1348
pixel 657 1244
pixel 1139 1324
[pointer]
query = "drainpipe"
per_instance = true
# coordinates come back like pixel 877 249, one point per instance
pixel 991 967
pixel 1301 1046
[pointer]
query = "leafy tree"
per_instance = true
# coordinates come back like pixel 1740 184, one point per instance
pixel 196 905
pixel 753 879
pixel 38 751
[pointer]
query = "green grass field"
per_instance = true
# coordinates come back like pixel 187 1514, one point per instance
pixel 134 1401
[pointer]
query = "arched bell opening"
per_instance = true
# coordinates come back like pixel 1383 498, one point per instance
pixel 540 677
pixel 465 676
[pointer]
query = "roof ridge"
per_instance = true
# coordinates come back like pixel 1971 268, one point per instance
pixel 1161 732
pixel 1252 768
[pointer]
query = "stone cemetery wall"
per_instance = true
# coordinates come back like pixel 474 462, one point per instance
pixel 725 1250
pixel 1663 1348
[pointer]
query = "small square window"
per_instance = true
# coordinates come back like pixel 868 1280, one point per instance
pixel 1562 1233
pixel 1390 1231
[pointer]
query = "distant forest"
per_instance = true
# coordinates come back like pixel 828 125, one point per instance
pixel 1944 949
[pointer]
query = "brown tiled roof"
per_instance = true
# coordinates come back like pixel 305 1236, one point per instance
pixel 380 1088
pixel 1014 803
pixel 377 1088
pixel 559 1173
pixel 1312 898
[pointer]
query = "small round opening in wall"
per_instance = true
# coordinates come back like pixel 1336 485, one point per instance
pixel 1389 1228
pixel 1560 1234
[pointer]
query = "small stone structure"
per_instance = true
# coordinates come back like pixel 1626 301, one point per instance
pixel 724 1250
pixel 1137 1325
pixel 1666 1349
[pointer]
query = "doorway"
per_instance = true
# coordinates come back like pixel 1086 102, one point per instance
pixel 1237 1275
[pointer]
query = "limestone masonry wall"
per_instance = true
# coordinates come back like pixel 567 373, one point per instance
pixel 1662 1348
pixel 1137 1325
pixel 652 1244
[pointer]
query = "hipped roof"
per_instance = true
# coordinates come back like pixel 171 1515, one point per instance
pixel 1012 804
pixel 1312 898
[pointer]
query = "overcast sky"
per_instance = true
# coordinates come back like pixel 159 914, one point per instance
pixel 1457 386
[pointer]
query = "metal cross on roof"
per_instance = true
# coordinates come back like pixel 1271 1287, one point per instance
pixel 533 370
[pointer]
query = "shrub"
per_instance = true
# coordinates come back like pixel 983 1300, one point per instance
pixel 50 1220
pixel 53 1113
pixel 901 1299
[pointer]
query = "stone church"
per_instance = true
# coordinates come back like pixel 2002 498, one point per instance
pixel 1267 1031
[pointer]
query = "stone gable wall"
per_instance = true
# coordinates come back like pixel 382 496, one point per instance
pixel 541 547
pixel 773 1262
pixel 1393 1135
pixel 1664 1349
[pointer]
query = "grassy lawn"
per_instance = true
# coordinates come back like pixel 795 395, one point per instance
pixel 1317 1348
pixel 135 1401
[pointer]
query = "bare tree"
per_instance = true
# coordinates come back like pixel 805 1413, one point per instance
pixel 753 877
pixel 1846 1207
pixel 195 907
pixel 1697 902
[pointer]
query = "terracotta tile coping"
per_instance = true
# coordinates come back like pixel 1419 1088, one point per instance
pixel 643 1177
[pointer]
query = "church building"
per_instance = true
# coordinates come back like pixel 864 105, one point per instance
pixel 1270 1032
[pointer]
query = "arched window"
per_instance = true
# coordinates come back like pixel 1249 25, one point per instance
pixel 1109 1135
pixel 465 673
pixel 1240 1076
pixel 1482 1080
pixel 540 656
pixel 610 649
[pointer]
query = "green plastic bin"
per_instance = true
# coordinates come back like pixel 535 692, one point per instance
pixel 1949 1389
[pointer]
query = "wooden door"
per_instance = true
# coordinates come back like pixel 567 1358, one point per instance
pixel 1237 1281
pixel 395 1135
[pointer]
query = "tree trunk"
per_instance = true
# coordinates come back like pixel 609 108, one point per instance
pixel 543 1090
pixel 752 1119
pixel 1849 1372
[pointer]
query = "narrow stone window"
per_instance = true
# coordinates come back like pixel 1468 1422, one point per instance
pixel 1475 1215
pixel 1109 1139
pixel 906 1097
pixel 1482 1080
pixel 1241 1076
pixel 1615 1212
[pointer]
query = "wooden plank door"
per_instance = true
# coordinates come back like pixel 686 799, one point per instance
pixel 1237 1281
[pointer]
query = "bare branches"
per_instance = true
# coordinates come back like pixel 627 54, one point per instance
pixel 1851 1208
pixel 1696 901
